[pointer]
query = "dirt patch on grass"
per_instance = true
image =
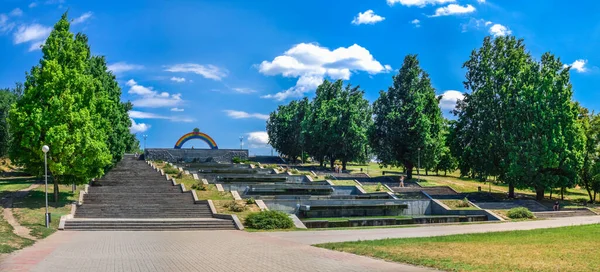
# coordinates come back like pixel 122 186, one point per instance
pixel 9 241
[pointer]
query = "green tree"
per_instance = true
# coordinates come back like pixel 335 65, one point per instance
pixel 59 109
pixel 447 161
pixel 7 98
pixel 113 116
pixel 407 119
pixel 285 130
pixel 352 119
pixel 589 176
pixel 482 131
pixel 546 140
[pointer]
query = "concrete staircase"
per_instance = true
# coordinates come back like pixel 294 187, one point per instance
pixel 133 196
pixel 565 213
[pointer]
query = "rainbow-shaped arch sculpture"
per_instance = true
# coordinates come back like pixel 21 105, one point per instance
pixel 196 135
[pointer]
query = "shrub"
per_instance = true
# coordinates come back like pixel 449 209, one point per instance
pixel 519 213
pixel 179 174
pixel 378 188
pixel 235 207
pixel 295 171
pixel 200 186
pixel 236 160
pixel 250 201
pixel 170 170
pixel 269 220
pixel 463 204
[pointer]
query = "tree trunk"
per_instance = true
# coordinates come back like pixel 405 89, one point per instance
pixel 592 199
pixel 344 162
pixel 562 193
pixel 331 163
pixel 511 190
pixel 551 193
pixel 445 172
pixel 409 170
pixel 539 193
pixel 418 171
pixel 595 196
pixel 321 162
pixel 426 172
pixel 56 191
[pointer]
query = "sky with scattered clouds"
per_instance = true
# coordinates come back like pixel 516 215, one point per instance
pixel 223 66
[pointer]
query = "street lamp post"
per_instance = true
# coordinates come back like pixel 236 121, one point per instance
pixel 419 164
pixel 45 149
pixel 241 142
pixel 145 136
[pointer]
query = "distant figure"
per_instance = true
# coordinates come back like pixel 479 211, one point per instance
pixel 192 147
pixel 556 206
pixel 361 170
pixel 401 181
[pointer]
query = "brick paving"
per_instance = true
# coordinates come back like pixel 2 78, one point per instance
pixel 184 251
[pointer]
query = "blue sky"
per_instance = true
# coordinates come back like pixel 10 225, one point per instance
pixel 222 66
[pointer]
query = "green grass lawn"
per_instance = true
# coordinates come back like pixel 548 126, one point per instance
pixel 9 241
pixel 346 182
pixel 29 211
pixel 211 191
pixel 560 249
pixel 456 204
pixel 220 206
pixel 375 188
pixel 13 184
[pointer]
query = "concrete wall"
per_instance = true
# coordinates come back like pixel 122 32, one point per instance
pixel 189 155
pixel 415 207
pixel 438 209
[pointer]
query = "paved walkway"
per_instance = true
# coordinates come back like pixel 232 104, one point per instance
pixel 184 251
pixel 230 250
pixel 317 237
pixel 7 212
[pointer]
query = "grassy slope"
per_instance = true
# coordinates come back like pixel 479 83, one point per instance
pixel 9 241
pixel 29 211
pixel 560 249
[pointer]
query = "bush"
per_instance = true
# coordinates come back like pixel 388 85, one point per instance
pixel 199 186
pixel 250 201
pixel 236 160
pixel 378 188
pixel 233 206
pixel 463 204
pixel 519 213
pixel 295 171
pixel 170 170
pixel 269 220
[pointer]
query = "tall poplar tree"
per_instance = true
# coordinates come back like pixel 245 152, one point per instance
pixel 407 119
pixel 59 109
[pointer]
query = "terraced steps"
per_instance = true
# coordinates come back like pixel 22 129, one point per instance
pixel 133 196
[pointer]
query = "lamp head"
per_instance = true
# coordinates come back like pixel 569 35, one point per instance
pixel 45 148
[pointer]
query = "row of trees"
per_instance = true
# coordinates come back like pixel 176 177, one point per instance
pixel 72 103
pixel 518 123
pixel 333 125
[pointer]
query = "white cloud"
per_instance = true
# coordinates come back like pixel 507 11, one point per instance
pixel 177 109
pixel 416 22
pixel 419 3
pixel 178 79
pixel 449 99
pixel 244 115
pixel 5 25
pixel 208 71
pixel 33 32
pixel 311 63
pixel 121 67
pixel 148 115
pixel 32 5
pixel 244 90
pixel 149 98
pixel 488 23
pixel 453 9
pixel 480 1
pixel 499 30
pixel 16 12
pixel 82 18
pixel 258 139
pixel 367 17
pixel 136 128
pixel 578 65
pixel 36 46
